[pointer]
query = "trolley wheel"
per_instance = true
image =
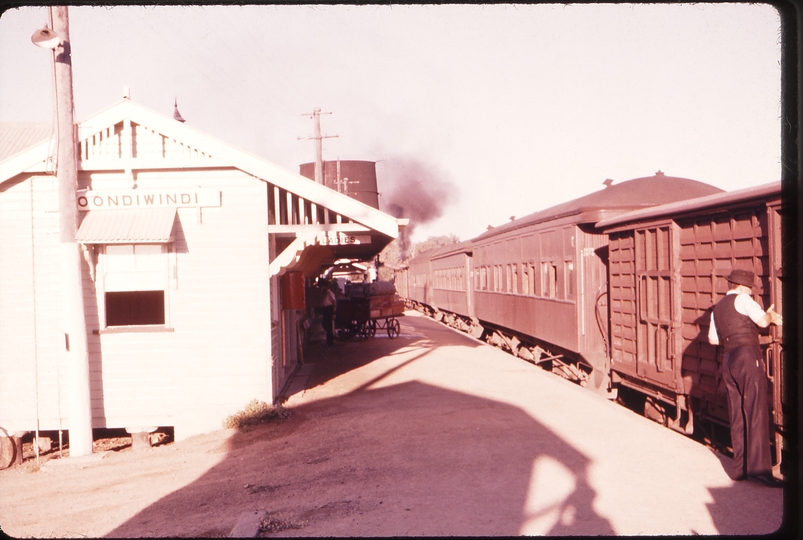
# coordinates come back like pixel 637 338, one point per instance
pixel 371 327
pixel 393 328
pixel 363 331
pixel 8 450
pixel 346 334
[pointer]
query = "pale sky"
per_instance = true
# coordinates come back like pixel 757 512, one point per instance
pixel 507 109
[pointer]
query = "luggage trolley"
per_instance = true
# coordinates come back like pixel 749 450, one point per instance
pixel 363 316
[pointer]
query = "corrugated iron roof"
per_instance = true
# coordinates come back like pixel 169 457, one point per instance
pixel 18 136
pixel 143 226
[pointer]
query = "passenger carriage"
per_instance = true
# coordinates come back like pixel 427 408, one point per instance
pixel 541 280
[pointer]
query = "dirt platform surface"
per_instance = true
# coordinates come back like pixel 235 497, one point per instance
pixel 432 433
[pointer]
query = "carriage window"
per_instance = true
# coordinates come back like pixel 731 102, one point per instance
pixel 568 275
pixel 515 280
pixel 549 279
pixel 525 280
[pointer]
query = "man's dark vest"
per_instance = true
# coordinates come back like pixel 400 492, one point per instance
pixel 733 328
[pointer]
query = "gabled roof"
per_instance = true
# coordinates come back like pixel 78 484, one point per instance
pixel 210 152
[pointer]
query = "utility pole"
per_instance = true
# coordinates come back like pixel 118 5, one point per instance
pixel 316 121
pixel 73 318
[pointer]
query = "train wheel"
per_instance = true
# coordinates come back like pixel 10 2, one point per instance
pixel 393 328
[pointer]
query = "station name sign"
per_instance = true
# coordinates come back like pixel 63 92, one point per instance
pixel 135 198
pixel 341 239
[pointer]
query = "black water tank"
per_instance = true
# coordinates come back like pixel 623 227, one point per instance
pixel 357 179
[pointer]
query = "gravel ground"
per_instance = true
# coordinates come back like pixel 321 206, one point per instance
pixel 432 434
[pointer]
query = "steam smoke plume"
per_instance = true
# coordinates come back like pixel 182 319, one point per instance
pixel 417 191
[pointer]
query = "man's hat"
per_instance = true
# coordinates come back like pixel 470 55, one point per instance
pixel 742 277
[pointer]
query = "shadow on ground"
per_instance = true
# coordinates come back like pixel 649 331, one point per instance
pixel 406 459
pixel 346 355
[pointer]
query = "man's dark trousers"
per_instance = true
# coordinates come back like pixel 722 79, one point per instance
pixel 746 383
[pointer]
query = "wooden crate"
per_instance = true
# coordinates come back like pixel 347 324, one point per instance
pixel 384 306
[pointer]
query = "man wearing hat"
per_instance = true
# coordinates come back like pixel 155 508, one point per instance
pixel 329 302
pixel 735 320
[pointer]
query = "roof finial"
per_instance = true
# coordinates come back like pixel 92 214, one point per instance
pixel 659 173
pixel 176 114
pixel 608 182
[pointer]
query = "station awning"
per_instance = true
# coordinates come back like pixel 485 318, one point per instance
pixel 128 226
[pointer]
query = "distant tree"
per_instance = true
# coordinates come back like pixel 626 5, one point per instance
pixel 434 242
pixel 391 257
pixel 388 260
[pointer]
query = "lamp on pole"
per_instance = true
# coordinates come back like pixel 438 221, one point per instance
pixel 73 318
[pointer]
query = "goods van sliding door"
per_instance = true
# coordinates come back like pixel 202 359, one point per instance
pixel 774 354
pixel 655 303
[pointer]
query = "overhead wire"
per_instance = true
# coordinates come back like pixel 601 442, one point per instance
pixel 253 44
pixel 274 84
pixel 190 55
pixel 238 37
pixel 272 74
pixel 194 53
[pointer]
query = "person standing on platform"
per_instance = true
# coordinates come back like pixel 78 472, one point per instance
pixel 735 321
pixel 329 305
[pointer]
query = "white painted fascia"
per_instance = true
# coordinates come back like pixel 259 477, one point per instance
pixel 257 167
pixel 290 254
pixel 33 159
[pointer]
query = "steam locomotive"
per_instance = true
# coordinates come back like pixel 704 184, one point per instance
pixel 613 290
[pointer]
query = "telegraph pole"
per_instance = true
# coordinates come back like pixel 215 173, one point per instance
pixel 316 121
pixel 73 318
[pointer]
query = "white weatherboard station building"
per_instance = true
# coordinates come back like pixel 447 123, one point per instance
pixel 186 241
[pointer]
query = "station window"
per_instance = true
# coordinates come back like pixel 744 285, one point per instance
pixel 130 308
pixel 135 279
